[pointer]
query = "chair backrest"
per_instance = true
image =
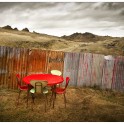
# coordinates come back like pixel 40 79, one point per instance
pixel 67 82
pixel 56 72
pixel 18 79
pixel 38 85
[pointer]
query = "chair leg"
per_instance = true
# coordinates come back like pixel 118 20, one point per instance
pixel 46 99
pixel 27 95
pixel 32 95
pixel 45 102
pixel 18 96
pixel 51 99
pixel 54 95
pixel 64 99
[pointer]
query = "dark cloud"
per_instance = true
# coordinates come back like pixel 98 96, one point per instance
pixel 113 5
pixel 26 5
pixel 5 5
pixel 73 16
pixel 122 13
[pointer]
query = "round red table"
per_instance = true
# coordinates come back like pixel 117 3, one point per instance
pixel 52 79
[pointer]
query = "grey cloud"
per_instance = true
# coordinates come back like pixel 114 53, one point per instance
pixel 6 5
pixel 122 13
pixel 36 5
pixel 81 11
pixel 57 15
pixel 21 6
pixel 112 5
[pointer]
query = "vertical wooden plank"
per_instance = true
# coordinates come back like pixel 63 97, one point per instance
pixel 7 65
pixel 85 69
pixel 118 74
pixel 107 74
pixel 9 51
pixel 4 66
pixel 97 70
pixel 12 72
pixel 6 62
pixel 23 52
pixel 22 61
pixel 3 58
pixel 2 79
pixel 15 68
pixel 1 66
pixel 55 61
pixel 37 61
pixel 19 64
pixel 71 66
pixel 11 67
pixel 25 65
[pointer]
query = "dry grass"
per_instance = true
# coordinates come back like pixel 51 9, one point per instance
pixel 104 45
pixel 83 105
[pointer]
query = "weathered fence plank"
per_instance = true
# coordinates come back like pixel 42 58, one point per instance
pixel 55 61
pixel 107 74
pixel 20 63
pixel 71 66
pixel 97 70
pixel 37 61
pixel 85 68
pixel 2 65
pixel 118 74
pixel 9 54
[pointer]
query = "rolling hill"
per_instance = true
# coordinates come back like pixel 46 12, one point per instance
pixel 77 42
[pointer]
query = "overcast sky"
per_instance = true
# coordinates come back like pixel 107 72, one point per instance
pixel 65 18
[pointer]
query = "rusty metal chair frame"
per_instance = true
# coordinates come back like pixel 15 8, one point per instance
pixel 20 87
pixel 59 90
pixel 40 86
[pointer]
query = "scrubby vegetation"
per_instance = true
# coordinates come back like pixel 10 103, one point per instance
pixel 77 42
pixel 83 105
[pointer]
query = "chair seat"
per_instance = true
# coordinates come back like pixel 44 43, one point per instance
pixel 59 90
pixel 23 87
pixel 45 90
pixel 56 72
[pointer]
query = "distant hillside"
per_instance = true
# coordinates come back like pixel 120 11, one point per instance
pixel 85 37
pixel 77 42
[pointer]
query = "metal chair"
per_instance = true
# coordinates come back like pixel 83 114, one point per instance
pixel 40 86
pixel 60 90
pixel 20 87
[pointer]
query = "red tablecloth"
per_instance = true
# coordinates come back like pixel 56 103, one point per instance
pixel 52 79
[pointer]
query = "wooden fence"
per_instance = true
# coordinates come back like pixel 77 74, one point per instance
pixel 84 69
pixel 87 69
pixel 25 62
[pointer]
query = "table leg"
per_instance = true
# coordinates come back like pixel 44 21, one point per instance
pixel 51 98
pixel 54 95
pixel 28 93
